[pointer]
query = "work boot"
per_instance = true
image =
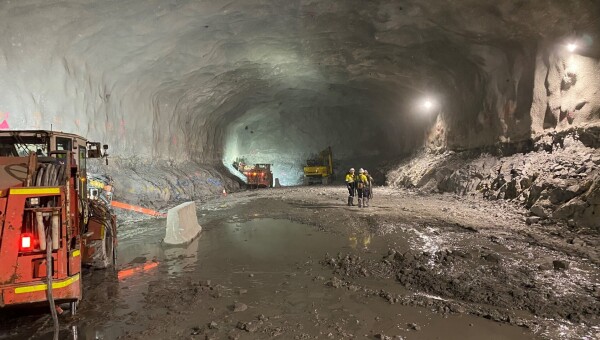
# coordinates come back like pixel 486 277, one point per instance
pixel 360 203
pixel 366 202
pixel 349 200
pixel 352 200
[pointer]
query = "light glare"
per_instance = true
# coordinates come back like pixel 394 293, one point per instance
pixel 572 66
pixel 571 47
pixel 427 104
pixel 26 242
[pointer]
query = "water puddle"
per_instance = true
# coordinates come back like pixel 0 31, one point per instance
pixel 273 266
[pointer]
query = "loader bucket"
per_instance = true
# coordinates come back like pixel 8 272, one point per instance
pixel 182 224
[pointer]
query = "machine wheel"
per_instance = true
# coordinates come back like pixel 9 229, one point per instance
pixel 114 257
pixel 109 248
pixel 104 254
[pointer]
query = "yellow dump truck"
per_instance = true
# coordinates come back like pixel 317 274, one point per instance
pixel 319 169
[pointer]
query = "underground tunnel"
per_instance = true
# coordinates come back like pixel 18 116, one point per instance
pixel 495 104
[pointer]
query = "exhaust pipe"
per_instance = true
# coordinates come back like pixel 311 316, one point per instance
pixel 40 230
pixel 54 230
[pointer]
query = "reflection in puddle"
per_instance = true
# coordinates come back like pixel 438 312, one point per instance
pixel 112 298
pixel 359 241
pixel 125 273
pixel 275 263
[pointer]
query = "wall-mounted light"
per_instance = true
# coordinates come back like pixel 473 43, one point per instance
pixel 427 104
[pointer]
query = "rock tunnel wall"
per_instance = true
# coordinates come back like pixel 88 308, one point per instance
pixel 552 169
pixel 174 84
pixel 566 92
pixel 545 90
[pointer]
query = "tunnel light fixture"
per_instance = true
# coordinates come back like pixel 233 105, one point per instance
pixel 427 104
pixel 571 47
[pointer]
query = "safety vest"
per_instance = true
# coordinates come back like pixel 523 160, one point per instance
pixel 363 179
pixel 349 178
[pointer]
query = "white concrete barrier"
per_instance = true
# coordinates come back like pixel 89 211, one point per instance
pixel 182 224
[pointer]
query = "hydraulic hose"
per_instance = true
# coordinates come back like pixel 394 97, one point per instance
pixel 50 175
pixel 54 225
pixel 39 219
pixel 49 272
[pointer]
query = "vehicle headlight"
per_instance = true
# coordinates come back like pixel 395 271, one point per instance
pixel 34 201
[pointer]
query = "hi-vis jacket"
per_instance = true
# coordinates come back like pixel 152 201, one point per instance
pixel 362 181
pixel 362 178
pixel 349 178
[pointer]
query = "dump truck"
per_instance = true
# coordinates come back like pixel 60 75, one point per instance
pixel 259 176
pixel 49 227
pixel 319 169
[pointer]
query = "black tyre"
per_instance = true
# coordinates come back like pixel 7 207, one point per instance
pixel 109 248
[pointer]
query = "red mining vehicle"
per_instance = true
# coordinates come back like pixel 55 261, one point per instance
pixel 45 213
pixel 260 176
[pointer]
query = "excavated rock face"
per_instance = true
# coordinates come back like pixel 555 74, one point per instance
pixel 559 178
pixel 275 81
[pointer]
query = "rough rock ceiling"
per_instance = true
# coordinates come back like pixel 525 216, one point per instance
pixel 183 79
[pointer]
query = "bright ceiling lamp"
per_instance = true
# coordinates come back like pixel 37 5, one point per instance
pixel 427 104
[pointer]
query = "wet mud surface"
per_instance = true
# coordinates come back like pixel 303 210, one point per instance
pixel 296 263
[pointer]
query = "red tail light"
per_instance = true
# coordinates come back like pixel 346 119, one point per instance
pixel 26 242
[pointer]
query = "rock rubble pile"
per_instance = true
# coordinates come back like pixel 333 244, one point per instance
pixel 556 176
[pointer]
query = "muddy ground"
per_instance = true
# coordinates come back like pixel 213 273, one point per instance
pixel 297 263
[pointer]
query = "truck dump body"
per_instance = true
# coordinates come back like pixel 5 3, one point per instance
pixel 260 176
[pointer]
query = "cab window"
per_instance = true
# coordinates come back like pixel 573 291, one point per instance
pixel 64 144
pixel 22 147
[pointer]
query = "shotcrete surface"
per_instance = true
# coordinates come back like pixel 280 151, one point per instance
pixel 275 81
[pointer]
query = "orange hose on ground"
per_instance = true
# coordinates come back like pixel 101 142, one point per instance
pixel 137 208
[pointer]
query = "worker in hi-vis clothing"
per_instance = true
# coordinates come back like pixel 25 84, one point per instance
pixel 360 186
pixel 368 194
pixel 351 184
